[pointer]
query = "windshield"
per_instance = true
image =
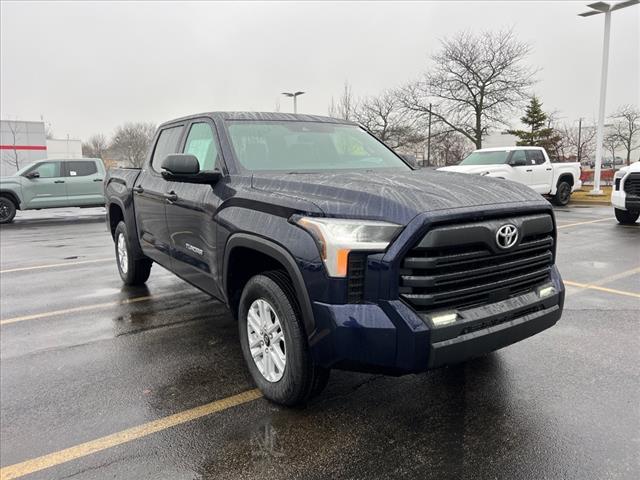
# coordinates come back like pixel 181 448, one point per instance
pixel 486 158
pixel 308 146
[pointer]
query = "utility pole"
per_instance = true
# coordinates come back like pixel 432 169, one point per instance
pixel 293 95
pixel 579 134
pixel 429 139
pixel 596 9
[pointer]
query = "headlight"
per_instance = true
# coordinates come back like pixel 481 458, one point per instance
pixel 336 237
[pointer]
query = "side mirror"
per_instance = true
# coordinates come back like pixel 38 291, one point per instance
pixel 411 160
pixel 184 167
pixel 32 175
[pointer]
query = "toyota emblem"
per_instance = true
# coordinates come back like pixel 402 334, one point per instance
pixel 507 236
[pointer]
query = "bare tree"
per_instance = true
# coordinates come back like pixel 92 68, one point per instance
pixel 476 81
pixel 95 147
pixel 612 142
pixel 385 117
pixel 13 159
pixel 572 141
pixel 449 147
pixel 131 142
pixel 344 106
pixel 627 128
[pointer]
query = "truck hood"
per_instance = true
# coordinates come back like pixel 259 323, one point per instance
pixel 395 197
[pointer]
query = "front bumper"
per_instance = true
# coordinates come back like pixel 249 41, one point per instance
pixel 391 337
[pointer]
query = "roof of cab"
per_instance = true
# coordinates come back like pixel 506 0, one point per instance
pixel 508 149
pixel 262 116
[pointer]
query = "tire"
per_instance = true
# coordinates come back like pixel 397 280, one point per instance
pixel 626 217
pixel 7 210
pixel 563 194
pixel 296 379
pixel 132 271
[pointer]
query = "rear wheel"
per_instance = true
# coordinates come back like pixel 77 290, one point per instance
pixel 7 210
pixel 132 271
pixel 274 343
pixel 563 194
pixel 626 217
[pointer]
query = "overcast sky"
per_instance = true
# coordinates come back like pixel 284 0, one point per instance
pixel 87 67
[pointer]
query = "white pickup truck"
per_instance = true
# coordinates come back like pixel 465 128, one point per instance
pixel 528 165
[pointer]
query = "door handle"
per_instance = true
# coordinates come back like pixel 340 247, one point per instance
pixel 549 169
pixel 171 197
pixel 138 189
pixel 58 181
pixel 97 179
pixel 530 170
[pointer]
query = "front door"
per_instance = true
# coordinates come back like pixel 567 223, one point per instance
pixel 48 189
pixel 150 200
pixel 84 183
pixel 521 173
pixel 191 211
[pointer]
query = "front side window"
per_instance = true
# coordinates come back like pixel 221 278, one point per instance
pixel 519 157
pixel 167 144
pixel 495 157
pixel 308 146
pixel 201 142
pixel 46 169
pixel 81 169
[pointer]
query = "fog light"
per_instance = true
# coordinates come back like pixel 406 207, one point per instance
pixel 444 318
pixel 546 291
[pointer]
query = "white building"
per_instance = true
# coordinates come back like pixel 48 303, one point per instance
pixel 60 148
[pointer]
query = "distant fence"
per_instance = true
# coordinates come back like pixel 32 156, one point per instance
pixel 606 176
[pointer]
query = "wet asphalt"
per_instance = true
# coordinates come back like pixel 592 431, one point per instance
pixel 562 404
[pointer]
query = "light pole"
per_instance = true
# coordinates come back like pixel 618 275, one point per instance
pixel 606 8
pixel 294 95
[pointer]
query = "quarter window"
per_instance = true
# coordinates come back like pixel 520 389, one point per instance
pixel 167 144
pixel 201 142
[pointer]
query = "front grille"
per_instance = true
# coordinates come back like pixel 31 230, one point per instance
pixel 632 184
pixel 460 266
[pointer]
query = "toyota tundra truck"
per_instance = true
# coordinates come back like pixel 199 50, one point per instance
pixel 332 252
pixel 625 195
pixel 530 166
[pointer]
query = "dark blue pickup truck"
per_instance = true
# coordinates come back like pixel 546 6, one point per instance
pixel 333 252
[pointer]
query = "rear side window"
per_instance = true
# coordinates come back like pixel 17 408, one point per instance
pixel 80 169
pixel 201 142
pixel 167 143
pixel 47 169
pixel 535 157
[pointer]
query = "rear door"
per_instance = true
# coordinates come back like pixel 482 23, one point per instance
pixel 149 198
pixel 191 212
pixel 541 170
pixel 48 190
pixel 84 183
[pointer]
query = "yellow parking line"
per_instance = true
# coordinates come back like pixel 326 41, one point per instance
pixel 54 265
pixel 118 438
pixel 601 289
pixel 83 308
pixel 584 223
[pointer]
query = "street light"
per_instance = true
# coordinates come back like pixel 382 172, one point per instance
pixel 606 8
pixel 294 95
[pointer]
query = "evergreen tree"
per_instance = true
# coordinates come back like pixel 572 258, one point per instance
pixel 538 133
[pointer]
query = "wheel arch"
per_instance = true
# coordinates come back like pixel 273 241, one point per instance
pixel 11 196
pixel 275 255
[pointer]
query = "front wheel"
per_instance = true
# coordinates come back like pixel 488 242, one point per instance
pixel 626 217
pixel 563 194
pixel 7 210
pixel 273 342
pixel 132 271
